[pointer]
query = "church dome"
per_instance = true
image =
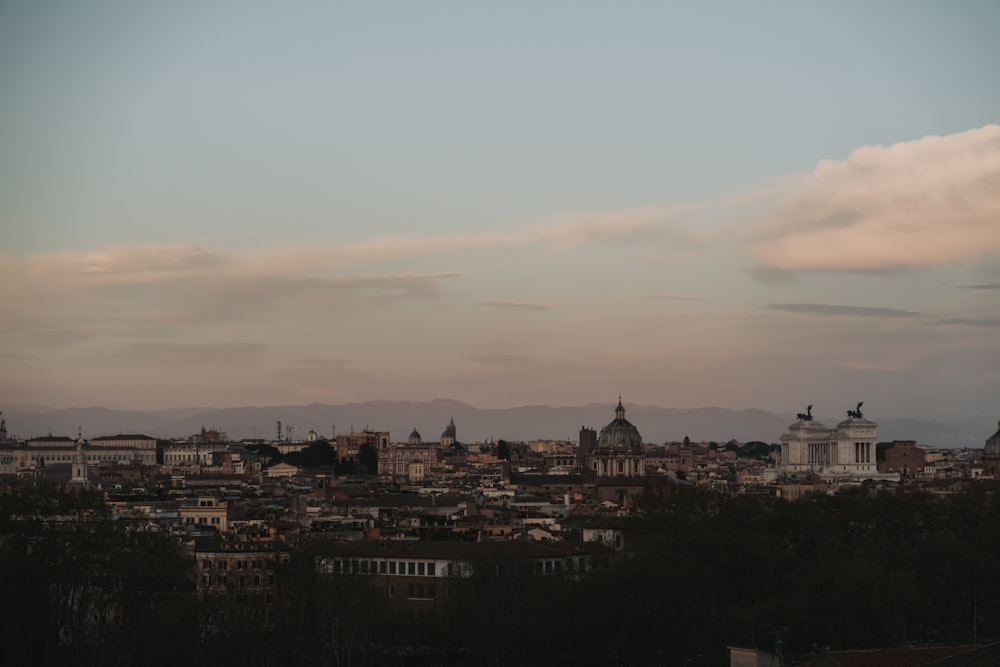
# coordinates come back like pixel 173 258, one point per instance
pixel 993 444
pixel 620 435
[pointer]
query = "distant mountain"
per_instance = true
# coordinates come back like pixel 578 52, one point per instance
pixel 474 424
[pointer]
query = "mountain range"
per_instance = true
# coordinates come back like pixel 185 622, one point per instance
pixel 473 424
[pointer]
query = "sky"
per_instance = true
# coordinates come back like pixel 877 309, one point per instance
pixel 734 204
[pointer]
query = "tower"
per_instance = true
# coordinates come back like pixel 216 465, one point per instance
pixel 449 438
pixel 79 480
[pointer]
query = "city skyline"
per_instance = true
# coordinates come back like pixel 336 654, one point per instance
pixel 761 207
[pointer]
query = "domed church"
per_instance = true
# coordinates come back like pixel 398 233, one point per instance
pixel 991 455
pixel 619 451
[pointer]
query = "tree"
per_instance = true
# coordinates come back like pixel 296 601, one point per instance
pixel 368 459
pixel 503 451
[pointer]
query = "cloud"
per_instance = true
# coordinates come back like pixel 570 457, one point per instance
pixel 674 297
pixel 874 366
pixel 503 360
pixel 770 274
pixel 516 305
pixel 928 202
pixel 971 321
pixel 639 224
pixel 839 311
pixel 159 353
pixel 980 287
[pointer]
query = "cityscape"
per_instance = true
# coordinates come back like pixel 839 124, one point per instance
pixel 509 334
pixel 395 544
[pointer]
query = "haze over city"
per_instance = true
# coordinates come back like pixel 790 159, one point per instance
pixel 736 204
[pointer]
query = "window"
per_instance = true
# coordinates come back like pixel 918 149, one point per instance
pixel 392 567
pixel 430 569
pixel 381 567
pixel 256 580
pixel 411 592
pixel 241 565
pixel 420 591
pixel 431 593
pixel 206 564
pixel 411 568
pixel 392 590
pixel 420 568
pixel 364 567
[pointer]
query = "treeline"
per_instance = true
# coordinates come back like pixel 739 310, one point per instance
pixel 701 572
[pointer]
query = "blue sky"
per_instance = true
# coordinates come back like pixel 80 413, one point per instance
pixel 738 204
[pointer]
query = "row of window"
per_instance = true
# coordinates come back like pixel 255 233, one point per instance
pixel 413 592
pixel 241 580
pixel 203 520
pixel 241 564
pixel 351 566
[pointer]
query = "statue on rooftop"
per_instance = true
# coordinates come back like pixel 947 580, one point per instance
pixel 807 415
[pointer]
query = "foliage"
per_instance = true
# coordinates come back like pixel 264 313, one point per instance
pixel 702 571
pixel 503 450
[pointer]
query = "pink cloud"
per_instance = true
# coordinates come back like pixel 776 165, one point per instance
pixel 927 202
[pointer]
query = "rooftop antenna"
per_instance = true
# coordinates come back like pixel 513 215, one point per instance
pixel 279 430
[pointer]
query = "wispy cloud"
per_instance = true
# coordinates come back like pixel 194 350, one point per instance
pixel 674 297
pixel 161 353
pixel 927 202
pixel 839 311
pixel 874 366
pixel 981 287
pixel 971 321
pixel 517 305
pixel 516 361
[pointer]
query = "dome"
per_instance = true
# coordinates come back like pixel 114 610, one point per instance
pixel 414 434
pixel 449 431
pixel 993 444
pixel 620 435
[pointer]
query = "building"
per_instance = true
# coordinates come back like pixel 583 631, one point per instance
pixel 449 436
pixel 395 461
pixel 143 445
pixel 619 451
pixel 205 511
pixel 991 455
pixel 349 444
pixel 846 452
pixel 48 450
pixel 419 579
pixel 904 457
